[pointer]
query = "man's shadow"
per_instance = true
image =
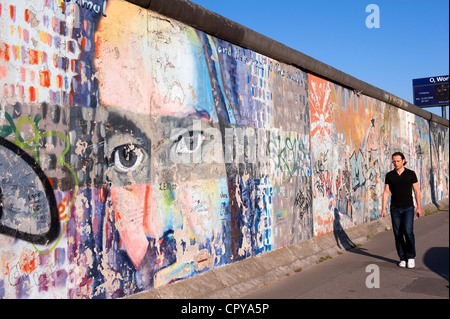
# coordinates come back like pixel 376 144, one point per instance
pixel 343 241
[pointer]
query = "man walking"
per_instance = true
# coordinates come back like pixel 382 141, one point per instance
pixel 400 182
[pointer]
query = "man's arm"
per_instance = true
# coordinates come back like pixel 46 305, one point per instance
pixel 416 190
pixel 386 194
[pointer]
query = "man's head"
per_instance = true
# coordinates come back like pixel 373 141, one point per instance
pixel 398 159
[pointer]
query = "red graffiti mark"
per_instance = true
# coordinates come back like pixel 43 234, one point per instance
pixel 4 51
pixel 27 261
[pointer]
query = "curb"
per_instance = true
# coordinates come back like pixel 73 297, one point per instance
pixel 237 279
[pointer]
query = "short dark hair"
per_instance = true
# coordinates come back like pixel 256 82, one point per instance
pixel 401 155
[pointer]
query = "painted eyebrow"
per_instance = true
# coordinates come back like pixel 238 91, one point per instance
pixel 116 124
pixel 200 114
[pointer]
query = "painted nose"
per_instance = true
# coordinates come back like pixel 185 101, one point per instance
pixel 159 217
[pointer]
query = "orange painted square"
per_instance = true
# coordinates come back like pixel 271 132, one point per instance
pixel 33 56
pixel 44 79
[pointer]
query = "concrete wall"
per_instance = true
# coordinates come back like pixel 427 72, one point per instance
pixel 136 151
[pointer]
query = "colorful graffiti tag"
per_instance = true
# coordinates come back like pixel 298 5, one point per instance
pixel 136 151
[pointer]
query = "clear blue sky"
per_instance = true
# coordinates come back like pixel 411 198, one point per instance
pixel 412 41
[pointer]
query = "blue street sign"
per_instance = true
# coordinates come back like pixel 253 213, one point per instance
pixel 432 91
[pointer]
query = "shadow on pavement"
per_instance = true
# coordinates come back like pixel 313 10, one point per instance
pixel 436 259
pixel 343 241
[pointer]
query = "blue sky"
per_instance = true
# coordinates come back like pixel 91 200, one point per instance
pixel 411 42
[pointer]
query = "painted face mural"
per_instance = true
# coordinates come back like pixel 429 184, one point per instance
pixel 162 210
pixel 178 146
pixel 163 146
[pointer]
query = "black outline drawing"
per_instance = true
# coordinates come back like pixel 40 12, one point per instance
pixel 54 230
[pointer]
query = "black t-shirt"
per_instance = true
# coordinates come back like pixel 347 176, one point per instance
pixel 401 187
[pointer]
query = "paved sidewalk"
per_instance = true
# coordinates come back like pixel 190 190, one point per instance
pixel 351 274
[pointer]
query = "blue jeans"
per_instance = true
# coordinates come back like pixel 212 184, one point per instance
pixel 403 226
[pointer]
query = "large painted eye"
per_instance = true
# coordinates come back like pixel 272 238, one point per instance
pixel 188 144
pixel 127 157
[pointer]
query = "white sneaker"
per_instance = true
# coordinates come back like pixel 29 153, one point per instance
pixel 411 263
pixel 402 264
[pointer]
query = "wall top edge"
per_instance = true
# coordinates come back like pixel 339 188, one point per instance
pixel 216 25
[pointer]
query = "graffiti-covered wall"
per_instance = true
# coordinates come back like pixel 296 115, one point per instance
pixel 353 138
pixel 136 151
